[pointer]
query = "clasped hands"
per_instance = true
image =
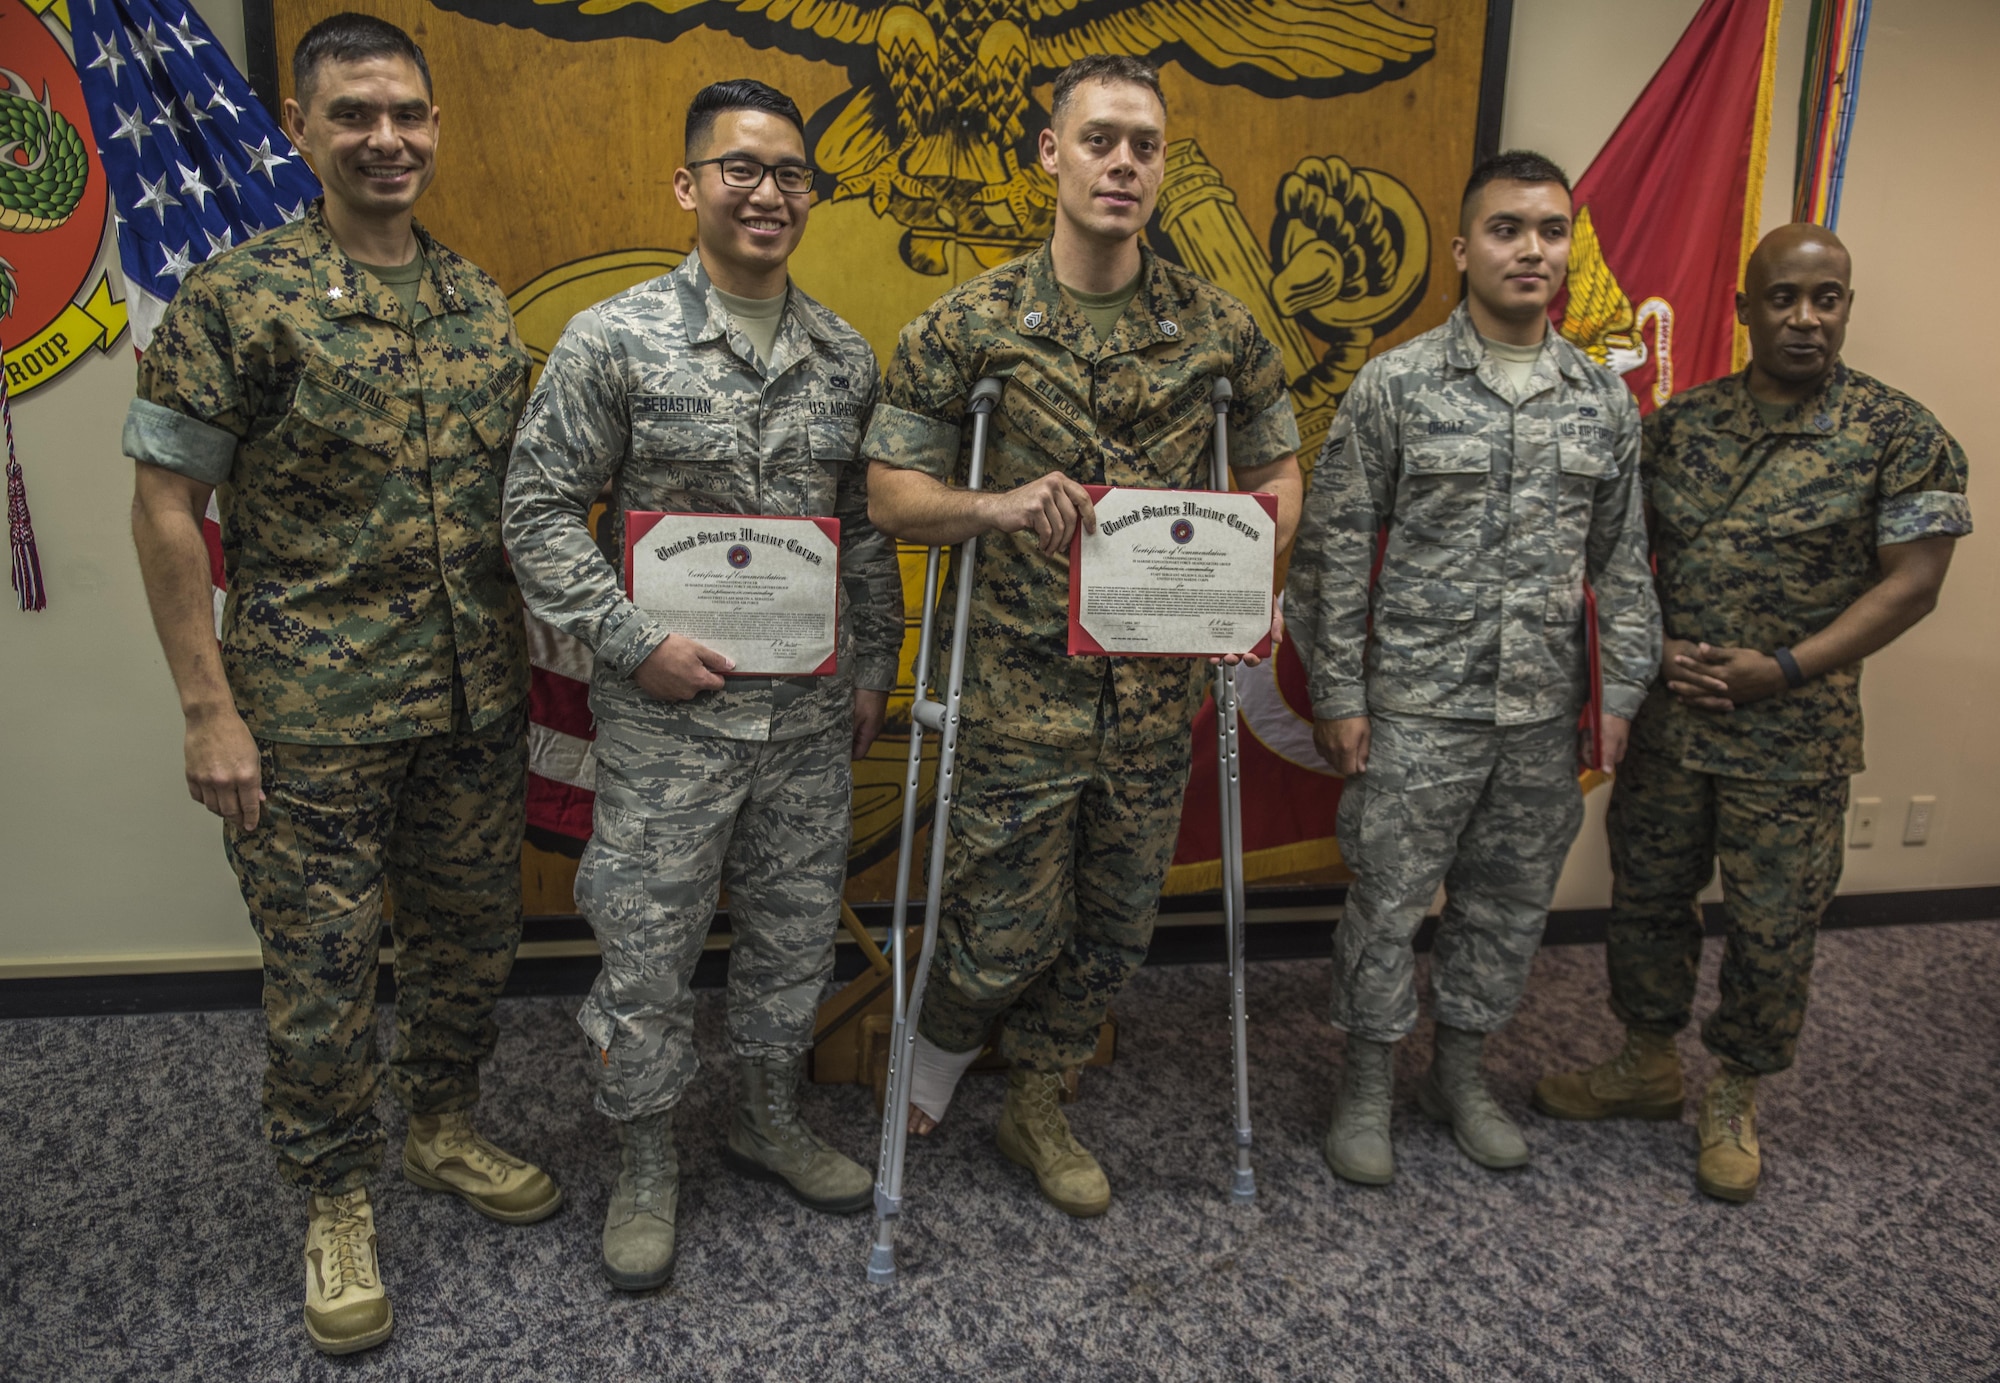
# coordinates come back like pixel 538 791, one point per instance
pixel 1718 679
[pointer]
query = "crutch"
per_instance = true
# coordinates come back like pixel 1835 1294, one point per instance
pixel 1229 780
pixel 941 719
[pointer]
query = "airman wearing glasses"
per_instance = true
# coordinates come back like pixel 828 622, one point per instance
pixel 718 388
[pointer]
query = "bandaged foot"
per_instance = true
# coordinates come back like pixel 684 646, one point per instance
pixel 934 1075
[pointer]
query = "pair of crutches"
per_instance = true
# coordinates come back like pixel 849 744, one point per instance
pixel 940 717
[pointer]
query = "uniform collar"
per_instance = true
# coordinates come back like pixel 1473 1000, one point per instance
pixel 1464 351
pixel 1041 309
pixel 705 319
pixel 1818 414
pixel 341 290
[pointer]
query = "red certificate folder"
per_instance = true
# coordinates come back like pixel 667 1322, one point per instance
pixel 1080 641
pixel 639 522
pixel 1590 722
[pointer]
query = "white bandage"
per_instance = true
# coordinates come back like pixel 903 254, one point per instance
pixel 934 1075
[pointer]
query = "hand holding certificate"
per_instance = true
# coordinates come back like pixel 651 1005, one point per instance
pixel 763 591
pixel 1174 574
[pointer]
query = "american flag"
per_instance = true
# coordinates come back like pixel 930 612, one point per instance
pixel 194 161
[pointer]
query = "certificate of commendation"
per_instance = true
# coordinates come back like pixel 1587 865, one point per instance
pixel 1174 573
pixel 763 591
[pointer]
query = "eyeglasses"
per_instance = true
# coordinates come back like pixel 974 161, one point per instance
pixel 793 179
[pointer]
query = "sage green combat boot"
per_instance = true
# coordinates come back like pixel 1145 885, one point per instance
pixel 346 1306
pixel 1730 1162
pixel 1357 1143
pixel 1643 1081
pixel 1455 1092
pixel 639 1223
pixel 443 1152
pixel 1034 1134
pixel 769 1141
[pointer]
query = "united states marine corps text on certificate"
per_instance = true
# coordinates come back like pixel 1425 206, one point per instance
pixel 763 591
pixel 1174 573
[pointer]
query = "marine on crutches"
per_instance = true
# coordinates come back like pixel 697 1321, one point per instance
pixel 939 717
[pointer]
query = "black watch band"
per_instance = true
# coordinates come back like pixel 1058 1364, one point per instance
pixel 1789 665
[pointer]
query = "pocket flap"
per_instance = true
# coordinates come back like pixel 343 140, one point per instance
pixel 1448 456
pixel 1820 513
pixel 352 411
pixel 667 437
pixel 1576 459
pixel 833 439
pixel 1427 598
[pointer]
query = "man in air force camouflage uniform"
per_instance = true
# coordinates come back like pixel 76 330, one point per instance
pixel 715 389
pixel 1803 516
pixel 347 388
pixel 1505 465
pixel 1071 770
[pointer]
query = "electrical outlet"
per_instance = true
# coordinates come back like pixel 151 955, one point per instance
pixel 1861 834
pixel 1917 825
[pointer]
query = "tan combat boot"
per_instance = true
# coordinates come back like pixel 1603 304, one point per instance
pixel 444 1153
pixel 1455 1092
pixel 1642 1082
pixel 1034 1134
pixel 346 1307
pixel 639 1221
pixel 1357 1141
pixel 1730 1163
pixel 770 1142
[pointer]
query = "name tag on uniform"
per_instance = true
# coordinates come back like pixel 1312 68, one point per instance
pixel 1174 574
pixel 763 591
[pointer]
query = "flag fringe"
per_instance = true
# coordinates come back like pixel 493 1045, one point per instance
pixel 25 559
pixel 1760 149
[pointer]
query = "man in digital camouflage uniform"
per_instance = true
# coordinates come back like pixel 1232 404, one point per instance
pixel 1071 770
pixel 1506 468
pixel 347 388
pixel 1803 516
pixel 719 388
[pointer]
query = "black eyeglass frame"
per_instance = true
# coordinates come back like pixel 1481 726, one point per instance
pixel 764 170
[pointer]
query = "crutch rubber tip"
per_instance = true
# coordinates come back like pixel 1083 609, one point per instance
pixel 881 1266
pixel 1244 1188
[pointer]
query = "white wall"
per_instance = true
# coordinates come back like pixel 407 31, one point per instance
pixel 105 863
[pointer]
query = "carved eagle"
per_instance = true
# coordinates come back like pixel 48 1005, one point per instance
pixel 936 131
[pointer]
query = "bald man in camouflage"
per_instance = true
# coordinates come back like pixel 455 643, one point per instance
pixel 1803 516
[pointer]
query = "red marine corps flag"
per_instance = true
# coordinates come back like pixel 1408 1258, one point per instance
pixel 1670 209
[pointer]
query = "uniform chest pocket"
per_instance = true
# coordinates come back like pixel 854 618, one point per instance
pixel 346 436
pixel 1583 468
pixel 1824 552
pixel 1443 494
pixel 1034 422
pixel 684 462
pixel 1177 455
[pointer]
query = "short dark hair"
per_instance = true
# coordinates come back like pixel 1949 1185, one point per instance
pixel 738 93
pixel 1515 165
pixel 350 38
pixel 1102 67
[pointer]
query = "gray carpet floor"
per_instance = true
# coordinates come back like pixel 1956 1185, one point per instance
pixel 144 1235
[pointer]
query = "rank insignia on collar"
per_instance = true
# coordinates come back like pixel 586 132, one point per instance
pixel 1033 320
pixel 1169 328
pixel 1824 422
pixel 451 291
pixel 333 293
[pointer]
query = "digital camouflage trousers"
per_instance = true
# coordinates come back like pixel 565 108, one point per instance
pixel 677 817
pixel 1779 845
pixel 439 818
pixel 1052 883
pixel 1487 810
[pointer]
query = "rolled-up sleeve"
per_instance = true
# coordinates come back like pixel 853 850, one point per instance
pixel 1628 605
pixel 191 408
pixel 1921 491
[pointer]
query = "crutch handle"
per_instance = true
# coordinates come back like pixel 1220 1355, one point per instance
pixel 1220 394
pixel 985 395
